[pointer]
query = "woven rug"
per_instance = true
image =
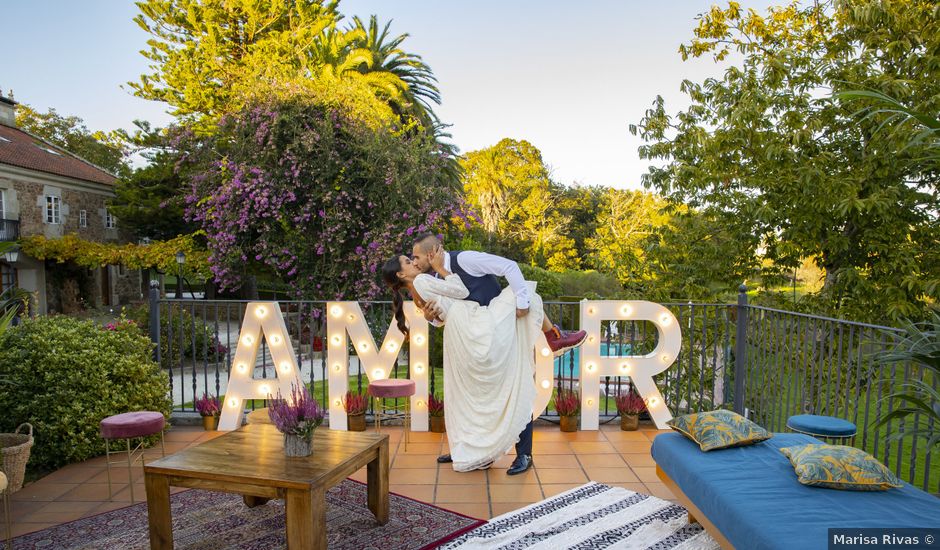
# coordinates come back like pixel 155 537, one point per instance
pixel 588 517
pixel 206 520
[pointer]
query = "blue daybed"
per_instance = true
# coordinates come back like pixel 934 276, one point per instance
pixel 749 497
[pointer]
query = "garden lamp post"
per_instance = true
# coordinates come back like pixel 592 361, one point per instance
pixel 12 255
pixel 180 260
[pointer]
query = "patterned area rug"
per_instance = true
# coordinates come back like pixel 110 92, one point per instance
pixel 588 517
pixel 204 520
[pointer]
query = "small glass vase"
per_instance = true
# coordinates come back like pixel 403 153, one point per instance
pixel 295 445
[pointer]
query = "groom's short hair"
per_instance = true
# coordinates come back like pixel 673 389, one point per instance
pixel 423 240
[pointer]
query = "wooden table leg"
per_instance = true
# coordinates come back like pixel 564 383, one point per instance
pixel 377 472
pixel 306 519
pixel 158 511
pixel 251 501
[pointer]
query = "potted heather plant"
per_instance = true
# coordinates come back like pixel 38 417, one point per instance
pixel 568 405
pixel 436 413
pixel 297 418
pixel 630 405
pixel 355 405
pixel 209 409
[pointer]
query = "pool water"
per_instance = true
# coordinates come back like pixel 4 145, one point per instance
pixel 569 364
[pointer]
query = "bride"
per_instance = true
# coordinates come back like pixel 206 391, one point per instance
pixel 489 363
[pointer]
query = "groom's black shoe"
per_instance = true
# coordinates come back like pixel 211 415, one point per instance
pixel 520 464
pixel 444 459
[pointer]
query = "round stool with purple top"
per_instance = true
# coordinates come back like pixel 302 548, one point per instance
pixel 128 426
pixel 392 388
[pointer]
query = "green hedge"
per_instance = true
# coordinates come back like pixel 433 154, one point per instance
pixel 549 287
pixel 67 375
pixel 182 321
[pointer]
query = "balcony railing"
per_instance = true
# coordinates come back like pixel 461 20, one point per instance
pixel 9 230
pixel 767 364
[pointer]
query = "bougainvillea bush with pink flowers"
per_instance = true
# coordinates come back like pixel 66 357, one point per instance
pixel 300 192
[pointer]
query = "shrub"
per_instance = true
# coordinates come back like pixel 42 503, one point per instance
pixel 69 375
pixel 592 285
pixel 208 406
pixel 173 321
pixel 548 286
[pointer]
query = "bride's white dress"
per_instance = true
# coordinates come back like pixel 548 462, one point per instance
pixel 489 369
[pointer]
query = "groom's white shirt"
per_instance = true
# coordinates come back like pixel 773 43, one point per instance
pixel 479 264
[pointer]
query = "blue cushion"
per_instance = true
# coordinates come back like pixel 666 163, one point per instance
pixel 826 426
pixel 753 497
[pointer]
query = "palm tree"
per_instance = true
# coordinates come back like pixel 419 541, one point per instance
pixel 420 89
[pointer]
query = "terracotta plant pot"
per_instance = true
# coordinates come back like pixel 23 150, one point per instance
pixel 437 424
pixel 294 445
pixel 569 423
pixel 210 423
pixel 356 422
pixel 629 422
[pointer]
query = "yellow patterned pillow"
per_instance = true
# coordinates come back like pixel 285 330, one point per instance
pixel 839 467
pixel 719 429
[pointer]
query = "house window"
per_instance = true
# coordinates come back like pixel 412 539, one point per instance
pixel 110 222
pixel 83 218
pixel 7 277
pixel 53 209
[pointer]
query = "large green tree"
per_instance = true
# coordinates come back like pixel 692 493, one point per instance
pixel 767 153
pixel 107 150
pixel 509 187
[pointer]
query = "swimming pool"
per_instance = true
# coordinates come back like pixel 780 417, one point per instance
pixel 569 364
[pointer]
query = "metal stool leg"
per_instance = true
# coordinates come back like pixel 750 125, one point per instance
pixel 107 452
pixel 162 444
pixel 407 421
pixel 130 469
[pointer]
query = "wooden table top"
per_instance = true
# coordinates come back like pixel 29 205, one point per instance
pixel 255 453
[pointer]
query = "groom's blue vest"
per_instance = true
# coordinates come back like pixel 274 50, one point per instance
pixel 482 289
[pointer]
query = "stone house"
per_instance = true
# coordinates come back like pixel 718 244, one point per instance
pixel 44 190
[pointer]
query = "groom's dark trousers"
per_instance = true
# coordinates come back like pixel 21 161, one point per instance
pixel 482 291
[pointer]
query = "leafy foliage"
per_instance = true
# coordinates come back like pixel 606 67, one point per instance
pixel 355 403
pixel 918 345
pixel 787 170
pixel 181 335
pixel 106 150
pixel 567 402
pixel 68 376
pixel 314 197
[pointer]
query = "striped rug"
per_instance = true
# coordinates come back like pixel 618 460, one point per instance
pixel 591 516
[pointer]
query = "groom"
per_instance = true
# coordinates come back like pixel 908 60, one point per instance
pixel 479 271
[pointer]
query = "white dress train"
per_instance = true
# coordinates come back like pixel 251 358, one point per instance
pixel 489 369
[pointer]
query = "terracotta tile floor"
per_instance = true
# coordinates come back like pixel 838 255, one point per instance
pixel 562 461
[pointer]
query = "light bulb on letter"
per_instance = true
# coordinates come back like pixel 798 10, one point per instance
pixel 626 311
pixel 665 358
pixel 363 346
pixel 248 340
pixel 419 368
pixel 336 311
pixel 546 384
pixel 285 367
pixel 337 367
pixel 665 319
pixel 275 339
pixel 591 311
pixel 233 402
pixel 546 352
pixel 419 339
pixel 336 339
pixel 391 346
pixel 378 374
pixel 264 389
pixel 260 311
pixel 590 367
pixel 242 367
pixel 653 401
pixel 590 402
pixel 625 367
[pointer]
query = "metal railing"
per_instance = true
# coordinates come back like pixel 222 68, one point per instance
pixel 764 363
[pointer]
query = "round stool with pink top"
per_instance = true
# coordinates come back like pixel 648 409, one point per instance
pixel 392 388
pixel 128 426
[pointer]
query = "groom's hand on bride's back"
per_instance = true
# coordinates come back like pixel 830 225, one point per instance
pixel 432 312
pixel 520 313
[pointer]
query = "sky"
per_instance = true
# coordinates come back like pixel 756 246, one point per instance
pixel 569 77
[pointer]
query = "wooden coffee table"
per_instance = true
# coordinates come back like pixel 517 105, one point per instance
pixel 251 462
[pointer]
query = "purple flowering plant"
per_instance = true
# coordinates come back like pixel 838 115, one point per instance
pixel 299 415
pixel 208 405
pixel 302 193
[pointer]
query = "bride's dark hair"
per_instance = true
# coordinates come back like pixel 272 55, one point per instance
pixel 390 276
